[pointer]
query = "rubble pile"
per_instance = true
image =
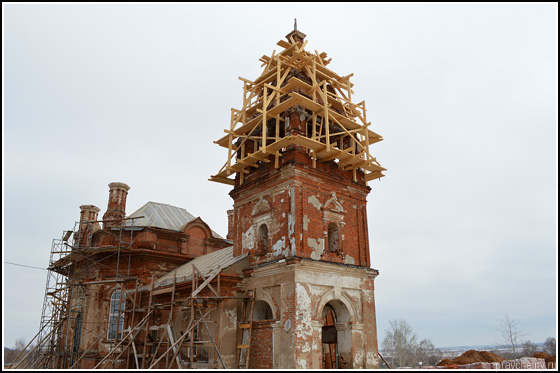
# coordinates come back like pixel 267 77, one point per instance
pixel 473 359
pixel 550 360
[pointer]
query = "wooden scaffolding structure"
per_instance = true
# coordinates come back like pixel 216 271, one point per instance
pixel 147 343
pixel 335 128
pixel 58 340
pixel 148 338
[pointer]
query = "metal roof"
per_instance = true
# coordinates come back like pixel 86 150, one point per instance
pixel 160 215
pixel 207 263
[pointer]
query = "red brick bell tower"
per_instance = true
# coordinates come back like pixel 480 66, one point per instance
pixel 299 154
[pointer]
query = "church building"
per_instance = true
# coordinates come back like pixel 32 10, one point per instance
pixel 291 286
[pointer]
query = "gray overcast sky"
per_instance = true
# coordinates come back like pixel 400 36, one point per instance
pixel 462 228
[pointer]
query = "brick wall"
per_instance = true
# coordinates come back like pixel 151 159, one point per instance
pixel 297 203
pixel 261 346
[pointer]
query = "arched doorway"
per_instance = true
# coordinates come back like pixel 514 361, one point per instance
pixel 336 336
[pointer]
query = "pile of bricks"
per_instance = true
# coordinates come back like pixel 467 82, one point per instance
pixel 523 363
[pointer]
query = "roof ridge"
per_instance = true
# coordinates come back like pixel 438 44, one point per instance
pixel 166 216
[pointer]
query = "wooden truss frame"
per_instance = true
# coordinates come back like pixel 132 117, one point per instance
pixel 335 127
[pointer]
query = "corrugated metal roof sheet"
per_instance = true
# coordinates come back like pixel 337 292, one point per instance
pixel 160 215
pixel 222 258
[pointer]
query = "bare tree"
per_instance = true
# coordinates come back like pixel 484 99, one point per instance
pixel 550 346
pixel 511 334
pixel 400 344
pixel 11 354
pixel 19 345
pixel 427 353
pixel 529 348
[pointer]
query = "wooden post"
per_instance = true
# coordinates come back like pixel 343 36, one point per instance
pixel 264 116
pixel 148 309
pixel 191 343
pixel 131 322
pixel 218 319
pixel 326 116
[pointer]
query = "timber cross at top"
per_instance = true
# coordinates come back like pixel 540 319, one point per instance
pixel 329 126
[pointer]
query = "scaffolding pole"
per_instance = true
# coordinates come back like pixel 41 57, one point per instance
pixel 62 316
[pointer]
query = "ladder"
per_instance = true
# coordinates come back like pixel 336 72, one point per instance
pixel 246 326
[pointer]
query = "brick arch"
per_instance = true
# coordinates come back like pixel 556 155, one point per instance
pixel 341 303
pixel 198 222
pixel 266 297
pixel 198 233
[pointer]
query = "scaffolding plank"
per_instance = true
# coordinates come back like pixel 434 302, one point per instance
pixel 296 83
pixel 373 175
pixel 314 145
pixel 283 106
pixel 223 180
pixel 347 122
pixel 277 145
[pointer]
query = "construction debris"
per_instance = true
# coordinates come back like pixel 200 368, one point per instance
pixel 473 359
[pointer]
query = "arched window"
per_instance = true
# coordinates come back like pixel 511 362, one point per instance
pixel 262 311
pixel 333 237
pixel 263 239
pixel 116 315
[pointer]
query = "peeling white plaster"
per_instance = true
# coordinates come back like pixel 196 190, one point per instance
pixel 248 240
pixel 306 347
pixel 292 221
pixel 278 246
pixel 349 260
pixel 316 346
pixel 318 246
pixel 305 222
pixel 304 328
pixel 314 202
pixel 291 224
pixel 358 357
pixel 302 363
pixel 372 360
pixel 231 315
pixel 367 296
pixel 318 290
pixel 283 214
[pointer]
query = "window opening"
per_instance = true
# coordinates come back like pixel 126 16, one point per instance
pixel 333 237
pixel 116 315
pixel 263 238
